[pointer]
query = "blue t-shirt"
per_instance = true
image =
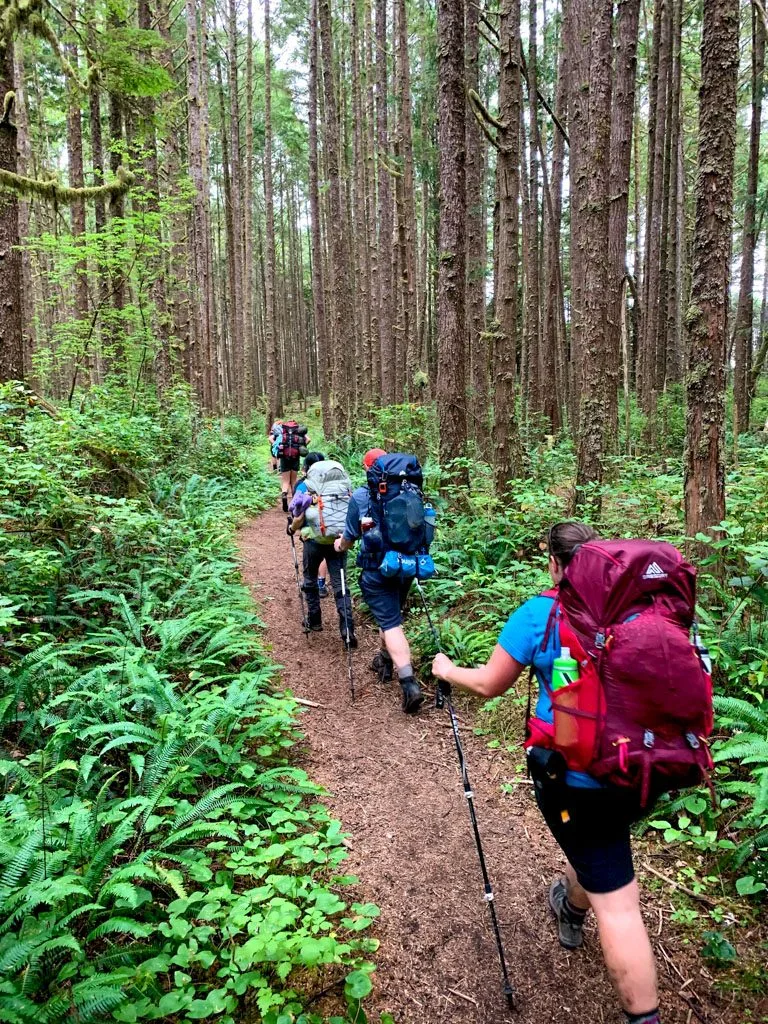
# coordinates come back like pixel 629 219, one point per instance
pixel 358 507
pixel 522 638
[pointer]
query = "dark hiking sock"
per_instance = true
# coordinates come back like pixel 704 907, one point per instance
pixel 651 1017
pixel 405 673
pixel 574 913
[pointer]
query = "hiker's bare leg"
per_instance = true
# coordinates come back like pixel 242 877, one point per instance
pixel 323 571
pixel 626 947
pixel 577 896
pixel 285 483
pixel 397 645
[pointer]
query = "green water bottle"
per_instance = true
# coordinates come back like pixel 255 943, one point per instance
pixel 565 669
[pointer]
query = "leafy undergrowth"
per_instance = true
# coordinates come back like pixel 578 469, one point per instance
pixel 489 561
pixel 161 857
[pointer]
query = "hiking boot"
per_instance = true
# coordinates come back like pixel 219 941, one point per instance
pixel 382 666
pixel 285 502
pixel 413 698
pixel 322 586
pixel 570 926
pixel 315 622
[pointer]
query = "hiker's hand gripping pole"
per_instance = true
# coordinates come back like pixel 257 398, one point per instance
pixel 443 699
pixel 346 627
pixel 302 602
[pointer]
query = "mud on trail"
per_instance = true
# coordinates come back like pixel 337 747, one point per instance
pixel 394 783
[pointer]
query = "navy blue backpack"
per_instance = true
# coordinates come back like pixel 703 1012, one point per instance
pixel 400 516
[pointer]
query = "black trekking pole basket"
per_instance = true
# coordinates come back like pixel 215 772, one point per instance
pixel 302 600
pixel 443 700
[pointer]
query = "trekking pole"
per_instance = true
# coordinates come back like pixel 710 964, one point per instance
pixel 346 627
pixel 304 609
pixel 443 699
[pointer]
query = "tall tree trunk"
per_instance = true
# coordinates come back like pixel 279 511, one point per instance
pixel 318 292
pixel 360 225
pixel 201 268
pixel 237 339
pixel 707 318
pixel 477 342
pixel 11 331
pixel 451 105
pixel 576 32
pixel 622 117
pixel 342 295
pixel 150 180
pixel 248 311
pixel 745 309
pixel 24 167
pixel 508 460
pixel 593 410
pixel 533 284
pixel 410 305
pixel 674 264
pixel 386 298
pixel 655 205
pixel 76 180
pixel 554 365
pixel 274 395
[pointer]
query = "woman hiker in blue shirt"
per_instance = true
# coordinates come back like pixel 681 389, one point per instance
pixel 589 821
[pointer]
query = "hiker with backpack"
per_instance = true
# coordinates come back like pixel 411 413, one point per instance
pixel 274 435
pixel 290 443
pixel 299 503
pixel 319 513
pixel 623 712
pixel 395 526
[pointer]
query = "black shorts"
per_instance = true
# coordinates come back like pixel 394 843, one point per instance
pixel 591 827
pixel 289 465
pixel 385 597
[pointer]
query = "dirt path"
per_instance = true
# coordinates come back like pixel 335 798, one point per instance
pixel 395 786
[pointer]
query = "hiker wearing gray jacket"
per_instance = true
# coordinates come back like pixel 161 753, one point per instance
pixel 319 522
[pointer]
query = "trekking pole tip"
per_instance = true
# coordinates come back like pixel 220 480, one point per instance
pixel 509 994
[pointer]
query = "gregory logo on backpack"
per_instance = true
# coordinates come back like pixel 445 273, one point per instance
pixel 641 710
pixel 654 572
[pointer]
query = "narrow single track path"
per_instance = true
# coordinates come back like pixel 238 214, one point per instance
pixel 393 781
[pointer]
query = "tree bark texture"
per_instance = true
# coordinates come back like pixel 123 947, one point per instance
pixel 507 448
pixel 707 317
pixel 594 399
pixel 742 347
pixel 451 384
pixel 11 331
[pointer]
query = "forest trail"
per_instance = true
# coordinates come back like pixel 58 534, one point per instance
pixel 393 781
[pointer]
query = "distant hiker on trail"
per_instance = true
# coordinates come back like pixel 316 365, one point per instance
pixel 623 712
pixel 289 445
pixel 274 435
pixel 319 512
pixel 396 528
pixel 298 505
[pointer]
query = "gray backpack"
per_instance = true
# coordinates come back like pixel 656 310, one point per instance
pixel 331 488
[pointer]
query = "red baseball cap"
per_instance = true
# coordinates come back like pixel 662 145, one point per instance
pixel 371 455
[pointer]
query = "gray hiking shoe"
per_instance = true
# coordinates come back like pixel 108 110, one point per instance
pixel 570 927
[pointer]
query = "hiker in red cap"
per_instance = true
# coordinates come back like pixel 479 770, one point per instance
pixel 385 595
pixel 371 455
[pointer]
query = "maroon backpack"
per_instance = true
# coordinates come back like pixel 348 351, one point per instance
pixel 641 711
pixel 290 440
